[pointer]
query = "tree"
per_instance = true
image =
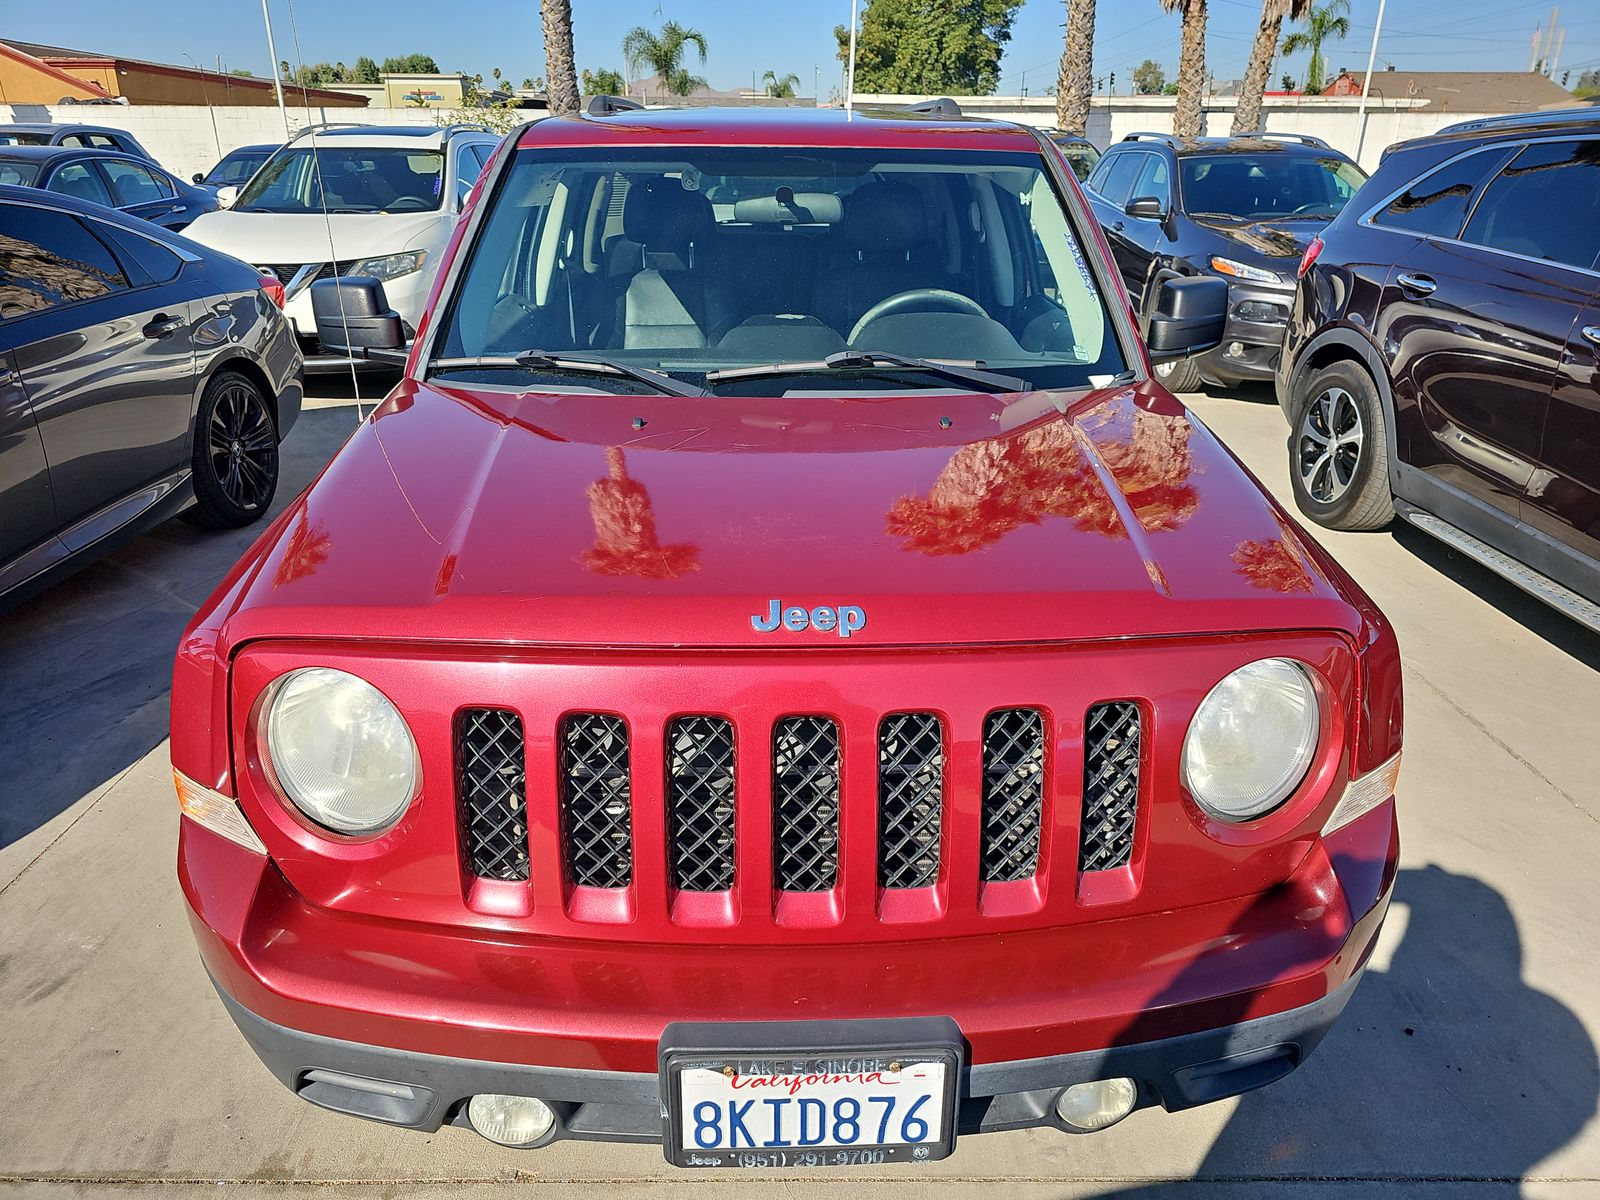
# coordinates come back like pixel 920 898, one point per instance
pixel 1075 78
pixel 662 51
pixel 922 48
pixel 780 87
pixel 1189 115
pixel 1329 22
pixel 604 82
pixel 1287 82
pixel 1247 116
pixel 560 67
pixel 365 71
pixel 1588 84
pixel 410 64
pixel 1148 78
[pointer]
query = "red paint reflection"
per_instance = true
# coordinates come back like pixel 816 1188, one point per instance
pixel 1276 564
pixel 305 551
pixel 625 541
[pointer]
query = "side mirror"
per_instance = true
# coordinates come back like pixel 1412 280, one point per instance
pixel 1188 317
pixel 197 177
pixel 227 194
pixel 353 317
pixel 1145 206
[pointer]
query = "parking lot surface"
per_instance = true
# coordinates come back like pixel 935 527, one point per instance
pixel 1466 1064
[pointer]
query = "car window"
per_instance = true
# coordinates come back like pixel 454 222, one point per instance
pixel 157 262
pixel 1154 180
pixel 1436 204
pixel 1268 184
pixel 48 259
pixel 306 178
pixel 1117 183
pixel 1545 204
pixel 133 184
pixel 81 180
pixel 18 174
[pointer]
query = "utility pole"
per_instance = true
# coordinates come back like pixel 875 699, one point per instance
pixel 850 89
pixel 1366 84
pixel 816 83
pixel 277 76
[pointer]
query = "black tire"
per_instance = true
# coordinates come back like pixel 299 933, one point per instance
pixel 1339 449
pixel 235 454
pixel 1179 375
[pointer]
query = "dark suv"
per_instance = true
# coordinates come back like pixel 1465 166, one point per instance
pixel 1443 359
pixel 1240 208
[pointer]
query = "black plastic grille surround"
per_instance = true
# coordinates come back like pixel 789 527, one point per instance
pixel 492 784
pixel 1013 793
pixel 805 804
pixel 596 801
pixel 701 803
pixel 910 799
pixel 1110 785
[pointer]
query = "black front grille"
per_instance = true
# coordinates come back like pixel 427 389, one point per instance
pixel 1110 785
pixel 805 802
pixel 910 799
pixel 287 271
pixel 1013 793
pixel 491 785
pixel 700 803
pixel 596 801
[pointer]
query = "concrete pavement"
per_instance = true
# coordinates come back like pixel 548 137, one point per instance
pixel 1465 1066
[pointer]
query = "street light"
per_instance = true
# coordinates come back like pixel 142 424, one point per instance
pixel 1366 84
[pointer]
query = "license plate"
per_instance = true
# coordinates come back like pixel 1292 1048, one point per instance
pixel 803 1100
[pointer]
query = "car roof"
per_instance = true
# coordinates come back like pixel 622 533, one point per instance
pixel 1184 147
pixel 59 127
pixel 1584 120
pixel 51 153
pixel 429 136
pixel 777 127
pixel 42 199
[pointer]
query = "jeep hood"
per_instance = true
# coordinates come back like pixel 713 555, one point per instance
pixel 584 519
pixel 1276 245
pixel 261 238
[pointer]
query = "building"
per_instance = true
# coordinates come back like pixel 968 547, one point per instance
pixel 36 74
pixel 1458 91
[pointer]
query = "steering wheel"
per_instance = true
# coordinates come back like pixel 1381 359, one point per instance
pixel 408 204
pixel 941 299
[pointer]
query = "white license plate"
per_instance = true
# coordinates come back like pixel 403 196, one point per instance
pixel 838 1109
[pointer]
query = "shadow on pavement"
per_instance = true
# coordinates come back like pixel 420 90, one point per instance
pixel 86 665
pixel 1447 1065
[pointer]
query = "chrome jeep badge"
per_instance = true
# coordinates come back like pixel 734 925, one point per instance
pixel 846 619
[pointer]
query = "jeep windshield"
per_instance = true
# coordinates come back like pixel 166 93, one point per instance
pixel 345 179
pixel 924 265
pixel 1267 186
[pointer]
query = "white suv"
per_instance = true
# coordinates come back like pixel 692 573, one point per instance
pixel 373 199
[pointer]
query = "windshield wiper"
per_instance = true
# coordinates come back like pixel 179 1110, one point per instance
pixel 853 360
pixel 540 360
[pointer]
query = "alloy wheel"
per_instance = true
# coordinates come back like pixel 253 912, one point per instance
pixel 1328 445
pixel 243 446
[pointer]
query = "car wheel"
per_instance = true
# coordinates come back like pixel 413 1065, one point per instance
pixel 1179 375
pixel 235 454
pixel 1339 450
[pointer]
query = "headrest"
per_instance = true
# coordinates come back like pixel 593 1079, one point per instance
pixel 789 208
pixel 884 216
pixel 664 217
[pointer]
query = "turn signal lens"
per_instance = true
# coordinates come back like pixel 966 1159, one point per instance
pixel 216 812
pixel 273 287
pixel 1363 794
pixel 1313 249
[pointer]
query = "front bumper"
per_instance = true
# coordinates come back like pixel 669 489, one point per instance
pixel 1252 340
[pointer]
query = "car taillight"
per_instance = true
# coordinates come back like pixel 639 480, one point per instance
pixel 1309 257
pixel 273 287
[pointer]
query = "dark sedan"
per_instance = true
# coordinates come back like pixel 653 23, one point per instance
pixel 133 185
pixel 140 375
pixel 235 167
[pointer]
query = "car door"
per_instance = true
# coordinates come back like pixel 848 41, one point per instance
pixel 1142 236
pixel 108 361
pixel 1117 174
pixel 145 193
pixel 1564 493
pixel 1475 324
pixel 27 512
pixel 78 178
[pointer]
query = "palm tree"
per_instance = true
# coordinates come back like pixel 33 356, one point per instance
pixel 662 52
pixel 1330 21
pixel 780 87
pixel 1247 117
pixel 1189 116
pixel 560 67
pixel 1075 79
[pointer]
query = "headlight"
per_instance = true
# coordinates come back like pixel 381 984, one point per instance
pixel 1239 270
pixel 391 266
pixel 1251 740
pixel 340 750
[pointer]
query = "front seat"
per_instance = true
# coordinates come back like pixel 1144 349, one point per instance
pixel 665 304
pixel 888 251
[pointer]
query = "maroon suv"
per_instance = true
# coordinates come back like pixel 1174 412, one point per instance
pixel 777 677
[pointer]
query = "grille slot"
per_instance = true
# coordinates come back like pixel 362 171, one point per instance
pixel 700 803
pixel 1110 785
pixel 805 802
pixel 1013 793
pixel 492 792
pixel 596 801
pixel 910 799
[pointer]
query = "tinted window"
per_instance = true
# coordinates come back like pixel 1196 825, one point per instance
pixel 1155 180
pixel 1545 204
pixel 18 174
pixel 80 179
pixel 1436 204
pixel 345 179
pixel 157 262
pixel 236 168
pixel 132 184
pixel 1254 186
pixel 1117 182
pixel 49 258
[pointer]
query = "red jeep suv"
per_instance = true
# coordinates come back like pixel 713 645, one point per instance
pixel 777 677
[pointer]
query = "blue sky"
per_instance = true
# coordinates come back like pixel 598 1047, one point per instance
pixel 793 37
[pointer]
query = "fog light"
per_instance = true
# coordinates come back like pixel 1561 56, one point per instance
pixel 1092 1106
pixel 510 1120
pixel 1235 349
